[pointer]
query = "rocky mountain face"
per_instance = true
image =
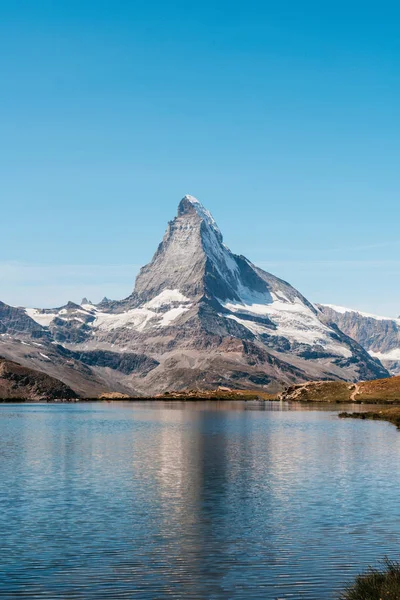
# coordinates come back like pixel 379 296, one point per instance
pixel 380 336
pixel 17 381
pixel 199 316
pixel 31 344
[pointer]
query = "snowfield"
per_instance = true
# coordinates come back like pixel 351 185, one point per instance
pixel 152 313
pixel 294 320
pixel 43 318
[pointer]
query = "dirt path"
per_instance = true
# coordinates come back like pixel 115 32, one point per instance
pixel 355 392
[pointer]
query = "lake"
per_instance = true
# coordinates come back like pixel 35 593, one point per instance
pixel 192 501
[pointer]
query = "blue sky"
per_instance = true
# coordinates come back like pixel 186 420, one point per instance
pixel 281 117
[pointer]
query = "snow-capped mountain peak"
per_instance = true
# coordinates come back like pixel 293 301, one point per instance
pixel 201 316
pixel 191 258
pixel 190 202
pixel 206 288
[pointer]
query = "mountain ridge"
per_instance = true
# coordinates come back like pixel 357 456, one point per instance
pixel 202 316
pixel 380 336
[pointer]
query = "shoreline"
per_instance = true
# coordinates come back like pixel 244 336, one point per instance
pixel 388 405
pixel 390 415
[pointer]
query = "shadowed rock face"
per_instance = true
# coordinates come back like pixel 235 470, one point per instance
pixel 201 316
pixel 19 382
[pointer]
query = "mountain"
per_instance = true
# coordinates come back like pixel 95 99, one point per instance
pixel 199 316
pixel 380 336
pixel 30 343
pixel 19 382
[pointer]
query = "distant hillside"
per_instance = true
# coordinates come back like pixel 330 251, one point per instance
pixel 375 392
pixel 20 382
pixel 380 336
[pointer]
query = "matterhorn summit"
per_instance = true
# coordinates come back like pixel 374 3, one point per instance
pixel 191 258
pixel 200 316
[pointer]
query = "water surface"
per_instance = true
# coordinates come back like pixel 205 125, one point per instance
pixel 192 501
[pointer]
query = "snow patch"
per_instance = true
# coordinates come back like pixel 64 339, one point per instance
pixel 136 318
pixel 46 318
pixel 43 318
pixel 391 355
pixel 255 328
pixel 90 308
pixel 294 321
pixel 148 314
pixel 165 298
pixel 171 315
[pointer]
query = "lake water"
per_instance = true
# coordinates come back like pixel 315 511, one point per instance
pixel 192 501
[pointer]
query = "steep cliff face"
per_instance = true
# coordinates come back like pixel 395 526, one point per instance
pixel 201 316
pixel 380 336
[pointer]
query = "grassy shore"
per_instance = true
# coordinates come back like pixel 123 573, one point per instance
pixel 378 391
pixel 376 584
pixel 193 395
pixel 386 414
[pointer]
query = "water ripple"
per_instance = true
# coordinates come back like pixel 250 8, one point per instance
pixel 205 502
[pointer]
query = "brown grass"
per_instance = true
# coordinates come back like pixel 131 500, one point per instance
pixel 386 390
pixel 217 395
pixel 376 584
pixel 379 391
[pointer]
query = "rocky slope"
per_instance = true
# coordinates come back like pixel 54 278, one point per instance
pixel 380 336
pixel 88 373
pixel 17 381
pixel 199 316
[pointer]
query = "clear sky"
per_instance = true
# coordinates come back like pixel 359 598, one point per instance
pixel 281 117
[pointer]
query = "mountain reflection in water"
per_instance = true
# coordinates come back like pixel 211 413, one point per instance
pixel 209 500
